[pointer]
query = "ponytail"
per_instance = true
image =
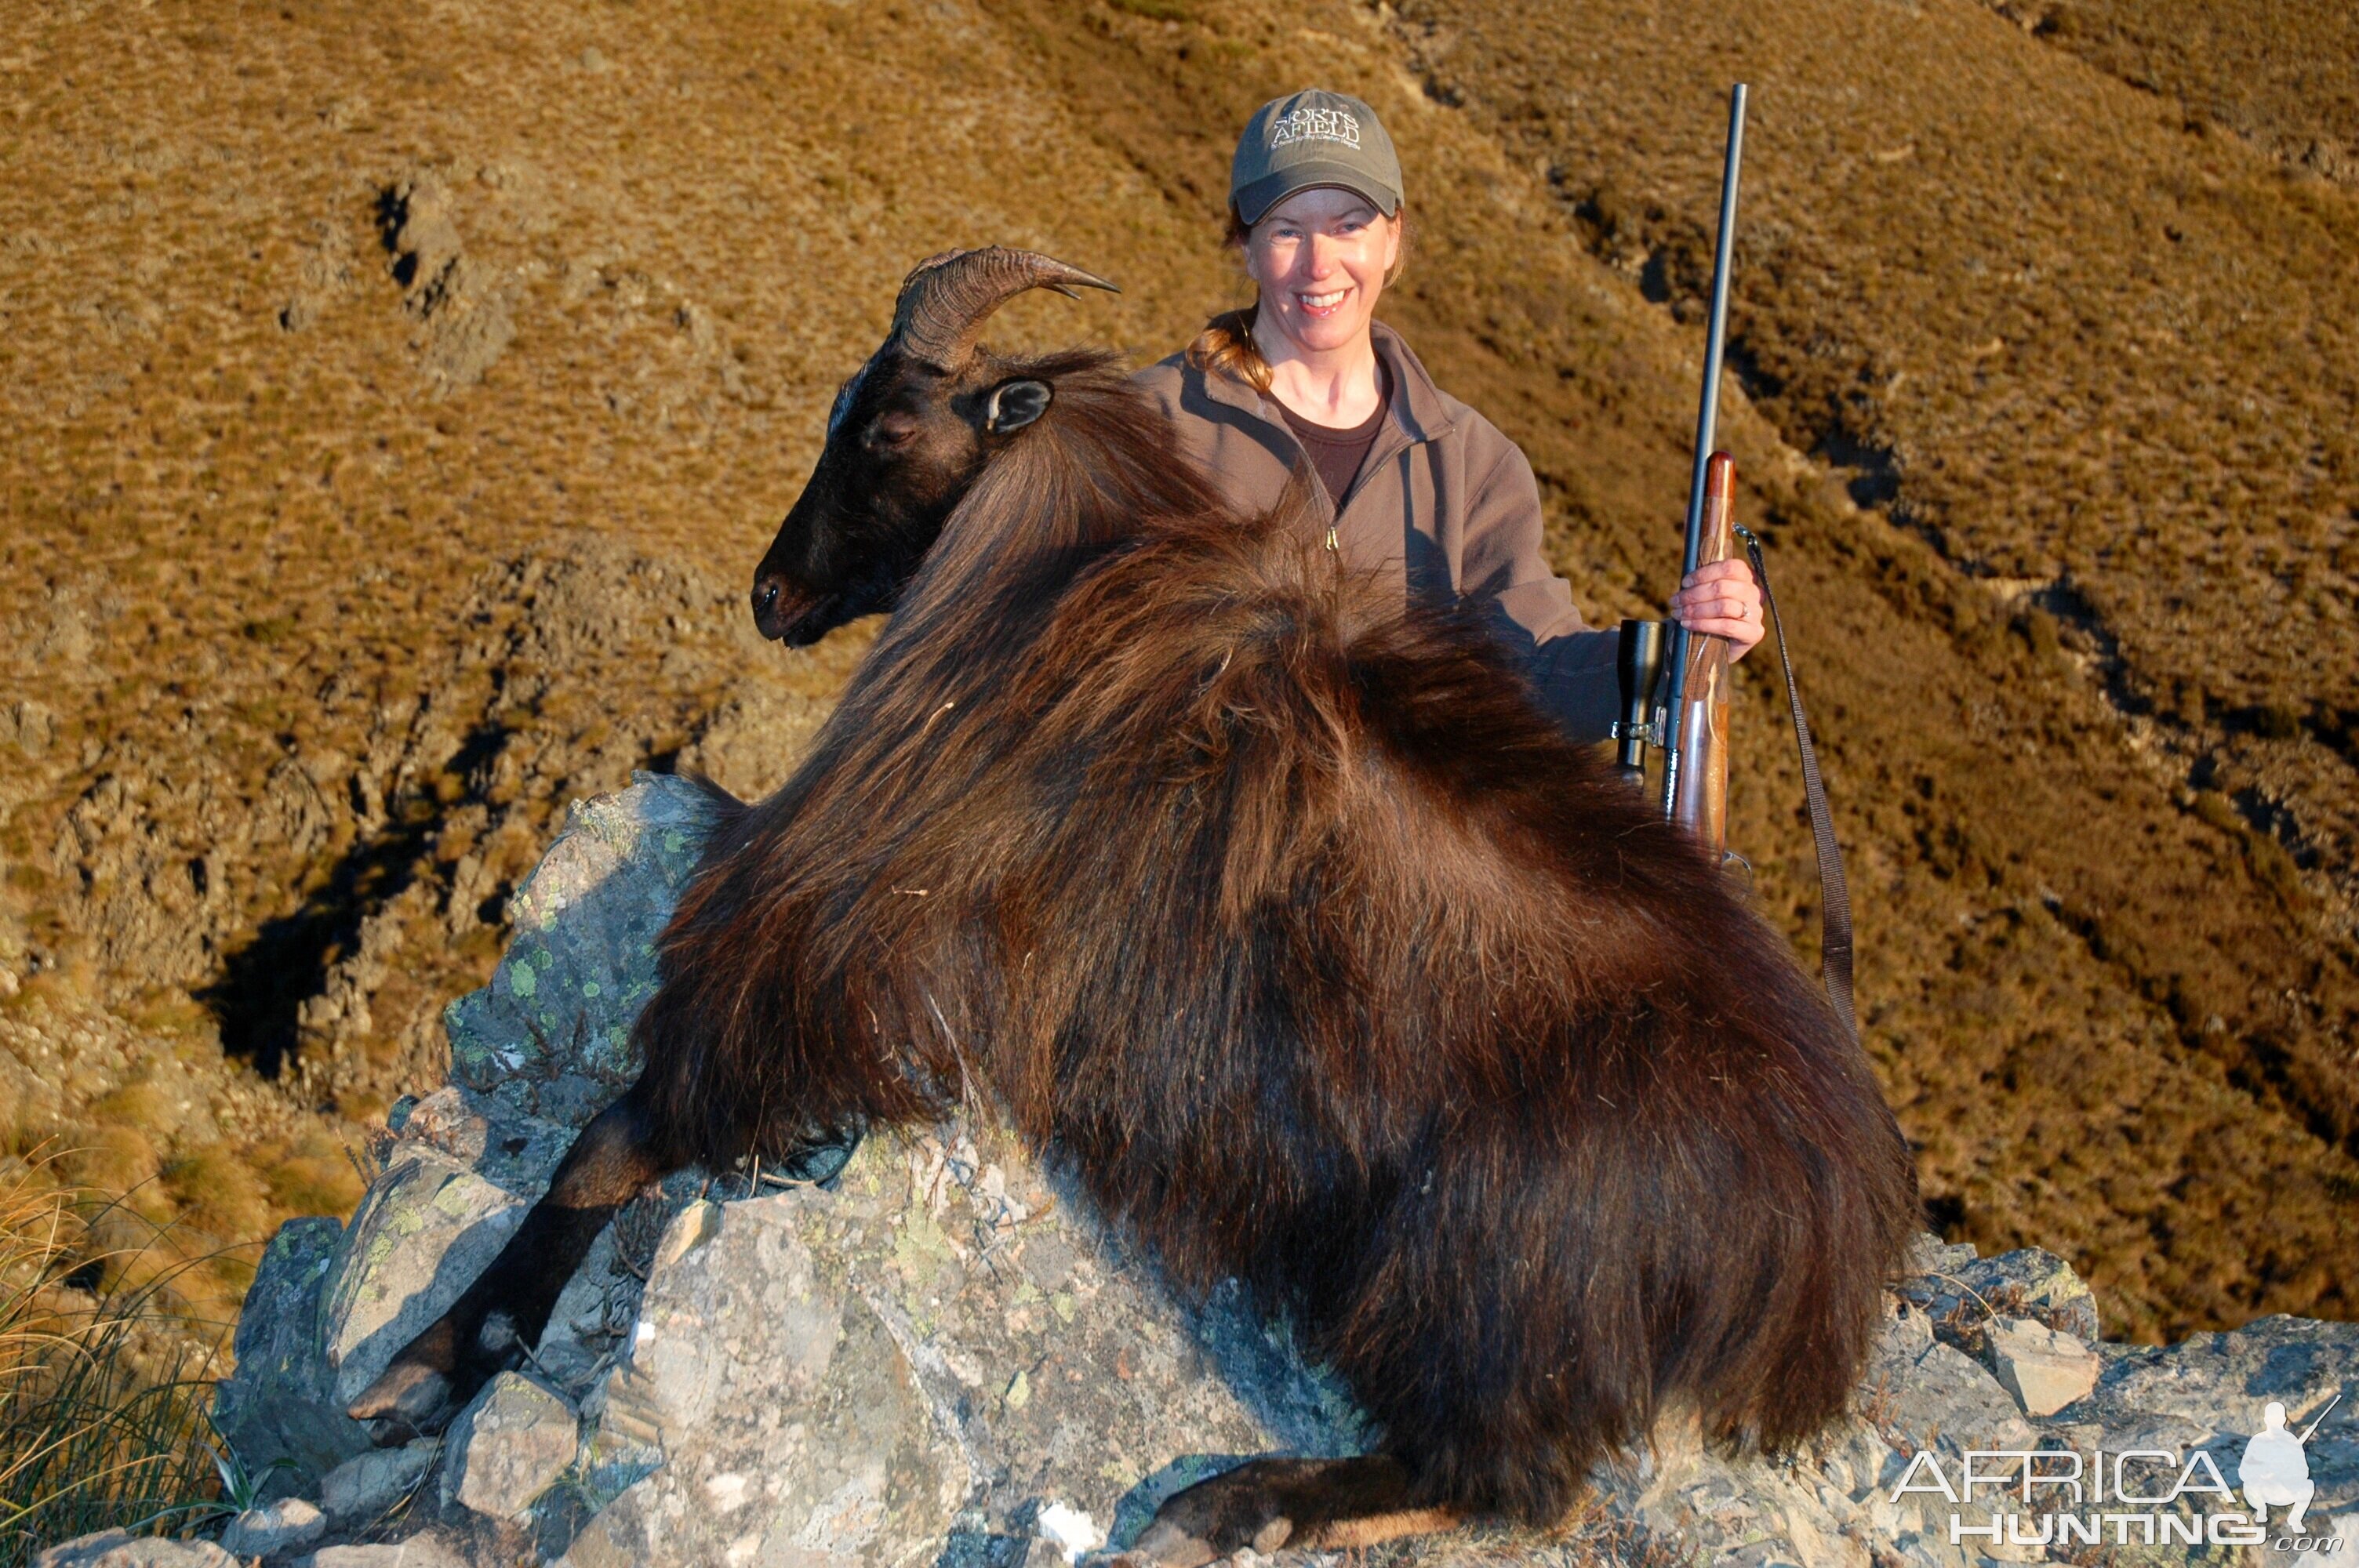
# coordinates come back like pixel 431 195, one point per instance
pixel 1226 344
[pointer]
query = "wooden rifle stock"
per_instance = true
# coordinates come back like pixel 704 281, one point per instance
pixel 1700 791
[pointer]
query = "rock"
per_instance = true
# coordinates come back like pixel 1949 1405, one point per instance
pixel 273 1529
pixel 360 1489
pixel 29 726
pixel 509 1149
pixel 417 1552
pixel 120 1549
pixel 279 1404
pixel 1718 1509
pixel 944 1346
pixel 2208 1392
pixel 1071 1531
pixel 1940 1398
pixel 426 1229
pixel 948 1359
pixel 551 1036
pixel 2034 1282
pixel 2043 1369
pixel 1928 1254
pixel 422 236
pixel 2343 1532
pixel 462 305
pixel 739 1300
pixel 508 1446
pixel 1963 1296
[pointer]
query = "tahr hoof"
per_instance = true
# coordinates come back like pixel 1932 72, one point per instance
pixel 1217 1518
pixel 1314 1505
pixel 411 1399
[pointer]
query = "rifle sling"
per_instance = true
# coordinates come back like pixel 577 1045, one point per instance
pixel 1834 894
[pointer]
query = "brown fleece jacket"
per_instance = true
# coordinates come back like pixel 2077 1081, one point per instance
pixel 1445 504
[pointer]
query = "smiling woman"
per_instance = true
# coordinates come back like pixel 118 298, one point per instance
pixel 1417 486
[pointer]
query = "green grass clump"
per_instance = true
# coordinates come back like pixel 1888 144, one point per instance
pixel 103 1393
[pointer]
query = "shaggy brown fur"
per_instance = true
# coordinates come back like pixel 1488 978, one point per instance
pixel 1282 914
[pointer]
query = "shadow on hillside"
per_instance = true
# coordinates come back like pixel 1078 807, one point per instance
pixel 258 1001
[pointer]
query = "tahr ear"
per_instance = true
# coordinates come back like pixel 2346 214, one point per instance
pixel 1014 404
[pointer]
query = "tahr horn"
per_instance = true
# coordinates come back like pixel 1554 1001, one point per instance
pixel 947 297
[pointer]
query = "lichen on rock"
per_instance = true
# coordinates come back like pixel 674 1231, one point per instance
pixel 427 1229
pixel 551 1036
pixel 280 1411
pixel 509 1446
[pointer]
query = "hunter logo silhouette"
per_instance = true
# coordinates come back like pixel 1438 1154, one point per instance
pixel 2276 1466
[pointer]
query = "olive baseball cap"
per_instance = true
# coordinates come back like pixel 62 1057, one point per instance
pixel 1311 138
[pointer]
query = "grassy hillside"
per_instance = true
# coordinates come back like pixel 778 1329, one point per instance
pixel 2282 74
pixel 399 400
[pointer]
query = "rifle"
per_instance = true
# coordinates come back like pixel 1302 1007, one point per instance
pixel 1689 723
pixel 1694 713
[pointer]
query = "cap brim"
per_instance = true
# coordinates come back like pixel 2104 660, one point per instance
pixel 1266 192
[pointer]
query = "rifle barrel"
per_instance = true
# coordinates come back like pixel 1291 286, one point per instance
pixel 1707 424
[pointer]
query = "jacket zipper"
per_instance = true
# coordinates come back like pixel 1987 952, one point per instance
pixel 1384 452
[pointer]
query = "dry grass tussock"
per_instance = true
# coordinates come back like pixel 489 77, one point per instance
pixel 106 1370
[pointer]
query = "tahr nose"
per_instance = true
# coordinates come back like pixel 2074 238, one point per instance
pixel 765 600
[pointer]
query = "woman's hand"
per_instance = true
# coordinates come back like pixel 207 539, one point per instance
pixel 1723 600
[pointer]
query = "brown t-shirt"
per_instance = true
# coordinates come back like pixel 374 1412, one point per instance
pixel 1338 454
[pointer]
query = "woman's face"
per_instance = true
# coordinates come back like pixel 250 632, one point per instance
pixel 1321 256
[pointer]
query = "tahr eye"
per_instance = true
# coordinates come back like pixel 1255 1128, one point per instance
pixel 891 433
